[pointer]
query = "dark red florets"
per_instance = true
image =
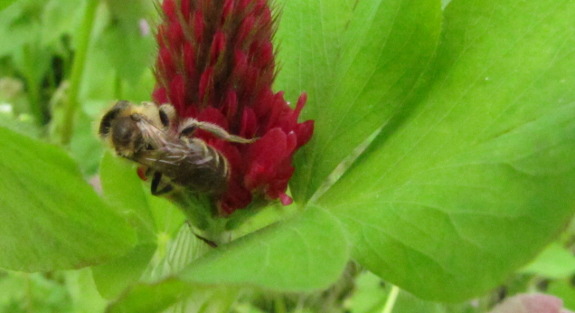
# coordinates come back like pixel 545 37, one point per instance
pixel 216 64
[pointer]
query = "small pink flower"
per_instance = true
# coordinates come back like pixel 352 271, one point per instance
pixel 531 303
pixel 216 64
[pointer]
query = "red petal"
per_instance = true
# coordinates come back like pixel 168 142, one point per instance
pixel 177 92
pixel 176 35
pixel 285 199
pixel 190 63
pixel 214 116
pixel 265 154
pixel 160 96
pixel 199 26
pixel 304 132
pixel 299 106
pixel 218 47
pixel 249 123
pixel 206 81
pixel 186 8
pixel 169 9
pixel 230 105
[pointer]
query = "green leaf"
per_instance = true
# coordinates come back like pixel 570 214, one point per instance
pixel 37 292
pixel 308 38
pixel 126 43
pixel 150 214
pixel 113 277
pixel 303 254
pixel 59 18
pixel 369 294
pixel 478 177
pixel 168 218
pixel 408 303
pixel 564 290
pixel 85 147
pixel 152 298
pixel 359 62
pixel 5 3
pixel 19 26
pixel 51 218
pixel 24 127
pixel 83 293
pixel 123 188
pixel 555 262
pixel 155 218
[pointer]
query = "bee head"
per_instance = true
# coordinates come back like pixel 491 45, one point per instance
pixel 120 127
pixel 126 136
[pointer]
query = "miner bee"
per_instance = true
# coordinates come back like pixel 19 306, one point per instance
pixel 170 155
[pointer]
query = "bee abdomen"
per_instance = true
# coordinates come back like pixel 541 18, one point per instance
pixel 193 165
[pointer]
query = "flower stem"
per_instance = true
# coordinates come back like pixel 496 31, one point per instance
pixel 390 302
pixel 84 36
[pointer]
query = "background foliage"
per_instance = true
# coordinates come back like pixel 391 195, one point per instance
pixel 443 162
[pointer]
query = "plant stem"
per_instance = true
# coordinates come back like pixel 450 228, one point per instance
pixel 279 304
pixel 84 36
pixel 33 86
pixel 390 302
pixel 118 86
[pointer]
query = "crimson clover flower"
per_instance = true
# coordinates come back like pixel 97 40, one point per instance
pixel 216 64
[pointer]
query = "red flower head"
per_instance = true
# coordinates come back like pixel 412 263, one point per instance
pixel 216 64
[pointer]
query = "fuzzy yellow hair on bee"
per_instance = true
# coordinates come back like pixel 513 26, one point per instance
pixel 131 128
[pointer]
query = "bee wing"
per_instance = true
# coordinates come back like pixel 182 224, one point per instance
pixel 179 152
pixel 153 136
pixel 165 154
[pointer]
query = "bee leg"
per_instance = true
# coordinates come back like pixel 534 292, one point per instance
pixel 190 125
pixel 210 243
pixel 167 114
pixel 156 184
